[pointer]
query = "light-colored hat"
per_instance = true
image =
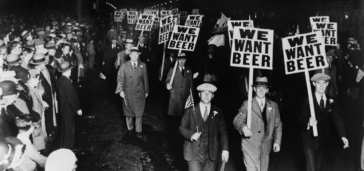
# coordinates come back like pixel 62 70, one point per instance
pixel 261 82
pixel 207 87
pixel 9 76
pixel 319 77
pixel 135 49
pixel 12 59
pixel 182 55
pixel 61 160
pixel 129 41
pixel 37 59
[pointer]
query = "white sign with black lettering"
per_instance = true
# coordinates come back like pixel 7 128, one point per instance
pixel 183 38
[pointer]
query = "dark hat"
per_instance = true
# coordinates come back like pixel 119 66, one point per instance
pixel 37 59
pixel 319 77
pixel 8 87
pixel 23 75
pixel 65 66
pixel 261 82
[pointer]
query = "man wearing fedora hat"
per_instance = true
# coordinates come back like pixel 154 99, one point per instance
pixel 265 129
pixel 69 105
pixel 108 61
pixel 133 86
pixel 181 86
pixel 144 49
pixel 13 61
pixel 39 61
pixel 204 130
pixel 326 114
pixel 123 56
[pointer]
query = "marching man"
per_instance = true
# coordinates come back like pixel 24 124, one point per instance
pixel 326 112
pixel 204 130
pixel 133 87
pixel 265 130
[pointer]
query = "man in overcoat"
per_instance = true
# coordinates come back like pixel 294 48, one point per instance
pixel 133 87
pixel 326 114
pixel 181 87
pixel 265 130
pixel 109 58
pixel 204 130
pixel 69 105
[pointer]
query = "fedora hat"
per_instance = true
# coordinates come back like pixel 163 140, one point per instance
pixel 261 82
pixel 65 66
pixel 37 59
pixel 182 56
pixel 135 49
pixel 12 59
pixel 9 76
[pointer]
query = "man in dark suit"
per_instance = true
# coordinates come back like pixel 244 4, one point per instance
pixel 144 49
pixel 204 130
pixel 326 112
pixel 133 87
pixel 109 58
pixel 69 105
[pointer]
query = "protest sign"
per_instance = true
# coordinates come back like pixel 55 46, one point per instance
pixel 145 22
pixel 319 19
pixel 194 21
pixel 166 26
pixel 304 53
pixel 176 19
pixel 221 24
pixel 118 16
pixel 165 13
pixel 156 23
pixel 174 11
pixel 132 17
pixel 328 31
pixel 183 15
pixel 195 11
pixel 183 38
pixel 237 23
pixel 252 48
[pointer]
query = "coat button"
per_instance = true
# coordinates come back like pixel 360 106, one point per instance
pixel 258 131
pixel 130 76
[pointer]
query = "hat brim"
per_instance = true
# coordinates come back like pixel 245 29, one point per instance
pixel 261 86
pixel 37 63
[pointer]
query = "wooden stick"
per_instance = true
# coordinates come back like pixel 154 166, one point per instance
pixel 310 100
pixel 223 166
pixel 164 56
pixel 250 98
pixel 141 34
pixel 197 128
pixel 175 68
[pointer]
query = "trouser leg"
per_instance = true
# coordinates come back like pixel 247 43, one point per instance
pixel 138 124
pixel 68 131
pixel 129 123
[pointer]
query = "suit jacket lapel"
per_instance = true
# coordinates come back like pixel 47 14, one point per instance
pixel 256 108
pixel 197 116
pixel 268 113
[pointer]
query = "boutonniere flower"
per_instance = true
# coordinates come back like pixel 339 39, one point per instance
pixel 215 113
pixel 141 66
pixel 331 100
pixel 269 109
pixel 188 71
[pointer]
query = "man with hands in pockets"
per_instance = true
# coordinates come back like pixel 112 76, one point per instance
pixel 265 130
pixel 204 129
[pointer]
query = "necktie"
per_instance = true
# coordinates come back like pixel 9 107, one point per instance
pixel 206 114
pixel 261 106
pixel 322 104
pixel 134 67
pixel 183 71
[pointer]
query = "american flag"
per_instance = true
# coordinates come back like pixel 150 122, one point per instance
pixel 222 20
pixel 189 101
pixel 360 75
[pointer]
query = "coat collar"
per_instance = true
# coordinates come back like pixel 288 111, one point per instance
pixel 256 108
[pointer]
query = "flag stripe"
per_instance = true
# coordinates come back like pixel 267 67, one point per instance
pixel 360 75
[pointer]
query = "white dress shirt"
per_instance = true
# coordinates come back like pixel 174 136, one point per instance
pixel 203 107
pixel 261 103
pixel 318 98
pixel 134 64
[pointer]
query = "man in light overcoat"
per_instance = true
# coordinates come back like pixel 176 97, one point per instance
pixel 265 131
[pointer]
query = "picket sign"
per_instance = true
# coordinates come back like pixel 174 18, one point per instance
pixel 304 53
pixel 163 59
pixel 252 48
